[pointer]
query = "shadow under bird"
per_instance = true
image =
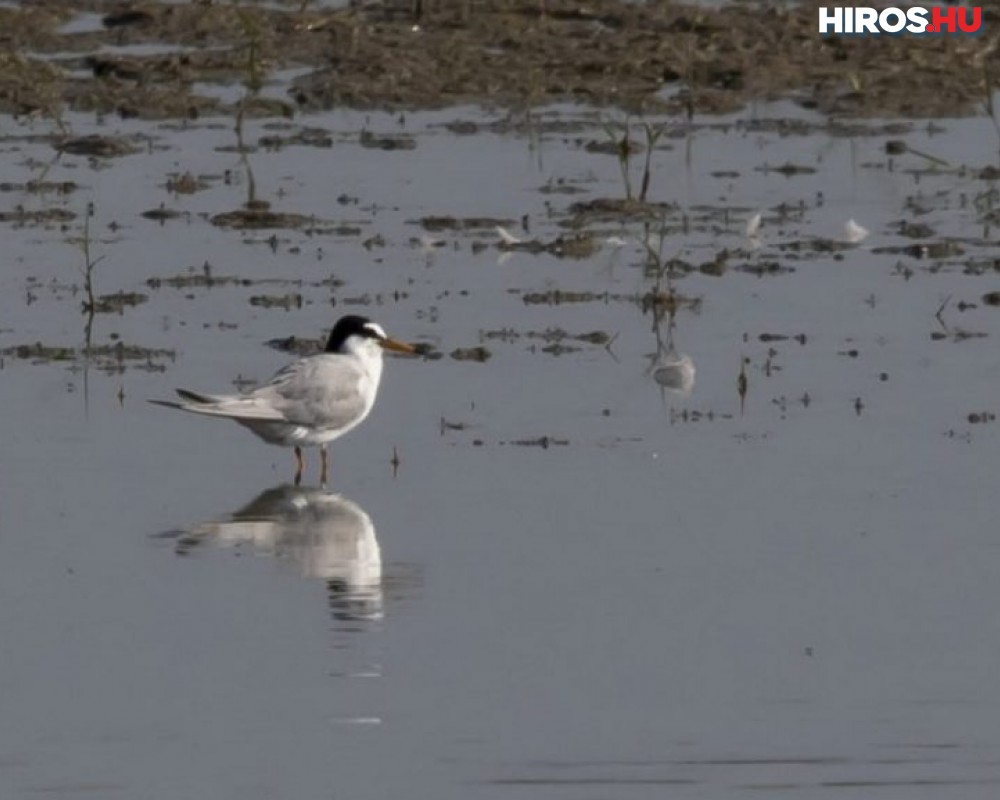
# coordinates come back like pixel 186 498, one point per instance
pixel 313 400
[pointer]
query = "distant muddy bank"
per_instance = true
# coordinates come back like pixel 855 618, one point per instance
pixel 167 60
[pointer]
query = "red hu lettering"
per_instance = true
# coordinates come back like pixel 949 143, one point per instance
pixel 953 20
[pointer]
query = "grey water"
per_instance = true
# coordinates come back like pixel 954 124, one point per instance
pixel 542 575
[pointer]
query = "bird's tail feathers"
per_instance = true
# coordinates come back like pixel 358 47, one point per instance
pixel 166 403
pixel 194 397
pixel 233 407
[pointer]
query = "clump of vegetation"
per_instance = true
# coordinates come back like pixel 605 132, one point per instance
pixel 624 149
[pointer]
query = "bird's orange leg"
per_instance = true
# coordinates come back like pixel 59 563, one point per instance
pixel 325 463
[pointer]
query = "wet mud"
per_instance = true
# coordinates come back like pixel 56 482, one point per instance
pixel 649 58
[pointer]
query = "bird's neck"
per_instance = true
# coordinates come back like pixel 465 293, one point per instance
pixel 369 356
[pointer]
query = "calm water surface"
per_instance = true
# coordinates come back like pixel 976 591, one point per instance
pixel 676 597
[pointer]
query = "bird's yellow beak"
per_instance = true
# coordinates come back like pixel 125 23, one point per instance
pixel 396 346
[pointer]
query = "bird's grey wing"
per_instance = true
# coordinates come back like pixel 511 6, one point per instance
pixel 319 391
pixel 240 407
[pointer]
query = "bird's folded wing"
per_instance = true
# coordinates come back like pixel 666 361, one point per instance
pixel 232 407
pixel 318 392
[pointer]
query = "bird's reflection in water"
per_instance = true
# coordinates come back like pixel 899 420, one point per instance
pixel 326 535
pixel 672 370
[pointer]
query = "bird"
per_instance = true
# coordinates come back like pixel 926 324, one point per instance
pixel 313 400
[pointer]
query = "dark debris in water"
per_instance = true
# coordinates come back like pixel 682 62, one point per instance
pixel 914 230
pixel 40 187
pixel 544 442
pixel 616 147
pixel 561 186
pixel 670 301
pixel 981 266
pixel 296 345
pixel 427 351
pixel 556 341
pixel 186 183
pixel 161 214
pixel 391 142
pixel 782 337
pixel 479 353
pixel 448 425
pixel 40 353
pixel 957 335
pixel 816 246
pixel 557 349
pixel 202 280
pixel 118 302
pixel 43 216
pixel 555 297
pixel 788 170
pixel 307 137
pixel 97 146
pixel 435 224
pixel 581 245
pixel 260 219
pixel 614 209
pixel 695 415
pixel 205 278
pixel 283 301
pixel 462 127
pixel 945 248
pixel 113 358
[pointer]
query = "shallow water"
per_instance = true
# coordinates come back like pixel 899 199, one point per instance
pixel 578 582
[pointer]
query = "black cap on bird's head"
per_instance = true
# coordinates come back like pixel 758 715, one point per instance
pixel 354 325
pixel 351 325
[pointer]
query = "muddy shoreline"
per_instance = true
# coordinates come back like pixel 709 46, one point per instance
pixel 162 61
